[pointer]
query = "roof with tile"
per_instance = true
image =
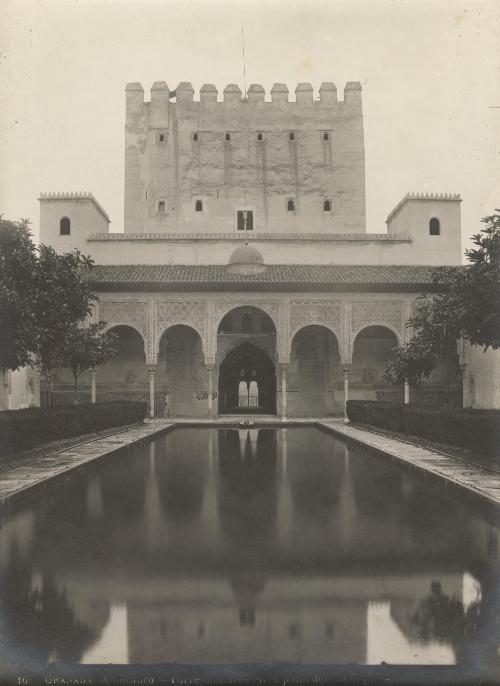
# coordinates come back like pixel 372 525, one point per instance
pixel 275 277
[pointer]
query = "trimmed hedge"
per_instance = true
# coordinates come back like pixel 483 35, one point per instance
pixel 24 429
pixel 475 429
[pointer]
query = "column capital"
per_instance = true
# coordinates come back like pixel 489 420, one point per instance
pixel 210 367
pixel 283 367
pixel 152 368
pixel 346 368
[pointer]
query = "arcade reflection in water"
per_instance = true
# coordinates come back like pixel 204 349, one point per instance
pixel 253 545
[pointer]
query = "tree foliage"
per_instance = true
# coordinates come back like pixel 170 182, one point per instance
pixel 17 269
pixel 63 298
pixel 467 306
pixel 86 347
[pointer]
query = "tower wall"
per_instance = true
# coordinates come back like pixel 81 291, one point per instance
pixel 238 153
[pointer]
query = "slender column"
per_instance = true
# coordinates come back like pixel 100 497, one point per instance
pixel 210 397
pixel 151 371
pixel 347 373
pixel 93 394
pixel 284 372
pixel 407 392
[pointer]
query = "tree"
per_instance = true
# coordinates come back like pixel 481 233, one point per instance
pixel 467 306
pixel 85 348
pixel 63 298
pixel 17 272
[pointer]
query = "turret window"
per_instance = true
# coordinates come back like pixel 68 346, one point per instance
pixel 228 136
pixel 244 220
pixel 259 137
pixel 198 206
pixel 327 206
pixel 195 137
pixel 434 227
pixel 161 138
pixel 326 137
pixel 65 226
pixel 161 206
pixel 290 205
pixel 291 136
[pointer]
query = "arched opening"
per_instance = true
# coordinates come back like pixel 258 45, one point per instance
pixel 247 367
pixel 181 374
pixel 291 137
pixel 326 136
pixel 327 206
pixel 314 375
pixel 64 226
pixel 373 347
pixel 259 136
pixel 434 227
pixel 247 320
pixel 290 205
pixel 125 376
pixel 198 206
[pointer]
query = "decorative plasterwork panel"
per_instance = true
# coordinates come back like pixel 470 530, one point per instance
pixel 390 313
pixel 127 313
pixel 193 314
pixel 316 312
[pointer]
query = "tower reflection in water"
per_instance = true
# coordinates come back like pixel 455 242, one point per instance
pixel 252 545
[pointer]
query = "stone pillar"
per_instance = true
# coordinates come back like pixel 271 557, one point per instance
pixel 210 396
pixel 284 372
pixel 347 373
pixel 151 371
pixel 407 392
pixel 93 393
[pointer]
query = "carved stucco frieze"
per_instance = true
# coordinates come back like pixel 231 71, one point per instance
pixel 390 313
pixel 126 313
pixel 193 314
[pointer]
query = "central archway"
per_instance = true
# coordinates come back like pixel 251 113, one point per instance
pixel 247 363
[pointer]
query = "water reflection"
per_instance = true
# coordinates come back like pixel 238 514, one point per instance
pixel 213 546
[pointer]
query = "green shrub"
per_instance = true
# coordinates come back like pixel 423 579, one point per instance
pixel 24 429
pixel 475 429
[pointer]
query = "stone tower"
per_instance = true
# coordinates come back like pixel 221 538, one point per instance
pixel 244 164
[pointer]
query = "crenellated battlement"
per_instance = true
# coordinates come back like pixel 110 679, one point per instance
pixel 232 93
pixel 75 195
pixel 455 197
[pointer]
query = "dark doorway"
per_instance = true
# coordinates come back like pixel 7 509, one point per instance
pixel 247 363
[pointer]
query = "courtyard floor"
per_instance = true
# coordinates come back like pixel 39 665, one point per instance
pixel 17 479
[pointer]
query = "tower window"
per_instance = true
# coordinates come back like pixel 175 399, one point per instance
pixel 290 206
pixel 327 206
pixel 195 137
pixel 326 137
pixel 434 227
pixel 64 226
pixel 291 136
pixel 161 138
pixel 259 136
pixel 244 220
pixel 198 206
pixel 160 208
pixel 228 136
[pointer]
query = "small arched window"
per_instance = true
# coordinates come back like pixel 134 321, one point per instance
pixel 290 206
pixel 327 206
pixel 64 226
pixel 246 323
pixel 292 136
pixel 161 138
pixel 198 206
pixel 259 136
pixel 434 227
pixel 228 136
pixel 161 207
pixel 326 136
pixel 195 137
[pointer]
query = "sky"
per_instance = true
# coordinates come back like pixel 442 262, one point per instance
pixel 430 71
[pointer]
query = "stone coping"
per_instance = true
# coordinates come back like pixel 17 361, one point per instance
pixel 18 481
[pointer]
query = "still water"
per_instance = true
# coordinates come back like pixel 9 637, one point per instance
pixel 253 546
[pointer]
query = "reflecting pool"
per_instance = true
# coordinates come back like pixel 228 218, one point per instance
pixel 249 546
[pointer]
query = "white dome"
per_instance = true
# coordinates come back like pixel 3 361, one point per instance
pixel 246 260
